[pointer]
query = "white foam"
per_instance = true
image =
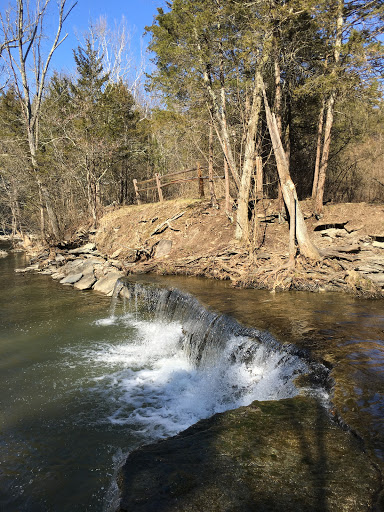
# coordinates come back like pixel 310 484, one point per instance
pixel 152 387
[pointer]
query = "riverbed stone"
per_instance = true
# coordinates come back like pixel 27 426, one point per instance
pixel 72 278
pixel 3 254
pixel 285 455
pixel 107 283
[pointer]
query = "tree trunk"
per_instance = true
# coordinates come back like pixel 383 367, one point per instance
pixel 329 112
pixel 210 167
pixel 318 150
pixel 307 248
pixel 242 223
pixel 324 156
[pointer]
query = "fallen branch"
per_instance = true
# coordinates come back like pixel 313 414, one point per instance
pixel 164 225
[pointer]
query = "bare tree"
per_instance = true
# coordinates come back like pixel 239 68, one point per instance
pixel 24 40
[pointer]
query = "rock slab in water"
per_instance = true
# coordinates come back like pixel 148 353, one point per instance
pixel 86 282
pixel 270 456
pixel 72 278
pixel 107 283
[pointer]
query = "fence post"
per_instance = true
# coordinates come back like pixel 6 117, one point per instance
pixel 201 181
pixel 158 183
pixel 138 198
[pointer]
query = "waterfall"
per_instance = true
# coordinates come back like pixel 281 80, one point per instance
pixel 246 363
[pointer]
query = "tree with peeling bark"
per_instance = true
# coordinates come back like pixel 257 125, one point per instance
pixel 23 28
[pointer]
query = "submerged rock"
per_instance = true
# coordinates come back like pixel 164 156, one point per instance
pixel 3 254
pixel 270 456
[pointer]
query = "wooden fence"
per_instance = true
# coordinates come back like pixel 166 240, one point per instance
pixel 161 181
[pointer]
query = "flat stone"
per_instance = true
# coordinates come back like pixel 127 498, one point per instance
pixel 58 275
pixel 163 248
pixel 85 249
pixel 3 254
pixel 30 268
pixel 334 232
pixel 379 245
pixel 107 283
pixel 377 279
pixel 60 258
pixel 86 282
pixel 369 269
pixel 284 455
pixel 72 278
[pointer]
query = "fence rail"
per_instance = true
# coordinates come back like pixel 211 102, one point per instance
pixel 161 182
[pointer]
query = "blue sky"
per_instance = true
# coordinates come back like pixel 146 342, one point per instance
pixel 138 14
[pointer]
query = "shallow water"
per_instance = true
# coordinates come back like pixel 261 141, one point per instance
pixel 80 388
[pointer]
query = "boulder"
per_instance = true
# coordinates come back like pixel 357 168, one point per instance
pixel 107 283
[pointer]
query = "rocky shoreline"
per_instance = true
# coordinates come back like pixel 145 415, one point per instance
pixel 194 239
pixel 84 268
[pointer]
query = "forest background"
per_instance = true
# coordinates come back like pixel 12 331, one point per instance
pixel 284 95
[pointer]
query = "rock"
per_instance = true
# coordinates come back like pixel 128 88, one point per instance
pixel 377 279
pixel 86 282
pixel 369 269
pixel 130 255
pixel 85 249
pixel 377 238
pixel 71 266
pixel 284 455
pixel 30 268
pixel 333 232
pixel 116 264
pixel 331 225
pixel 162 248
pixel 60 258
pixel 3 254
pixel 107 283
pixel 116 254
pixel 72 278
pixel 379 245
pixel 58 275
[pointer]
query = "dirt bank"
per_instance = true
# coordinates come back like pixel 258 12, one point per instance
pixel 189 237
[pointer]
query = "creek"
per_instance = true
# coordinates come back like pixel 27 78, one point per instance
pixel 82 385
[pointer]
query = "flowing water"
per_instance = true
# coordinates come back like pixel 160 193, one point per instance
pixel 82 384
